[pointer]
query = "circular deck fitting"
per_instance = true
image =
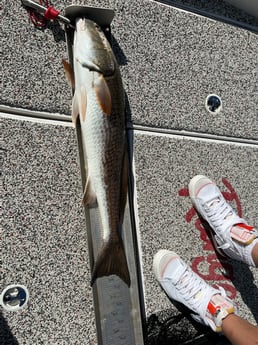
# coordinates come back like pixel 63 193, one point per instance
pixel 14 297
pixel 213 104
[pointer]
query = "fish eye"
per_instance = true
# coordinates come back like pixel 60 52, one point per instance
pixel 97 27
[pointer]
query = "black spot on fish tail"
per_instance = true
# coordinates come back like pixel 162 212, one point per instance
pixel 111 260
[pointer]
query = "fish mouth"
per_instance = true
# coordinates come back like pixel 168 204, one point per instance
pixel 84 24
pixel 81 25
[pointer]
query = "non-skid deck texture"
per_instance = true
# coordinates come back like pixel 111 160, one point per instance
pixel 171 61
pixel 43 239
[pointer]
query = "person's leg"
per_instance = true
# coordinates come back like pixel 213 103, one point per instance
pixel 209 306
pixel 239 331
pixel 255 254
pixel 231 235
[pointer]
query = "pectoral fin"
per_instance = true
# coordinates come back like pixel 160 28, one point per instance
pixel 69 73
pixel 89 197
pixel 103 94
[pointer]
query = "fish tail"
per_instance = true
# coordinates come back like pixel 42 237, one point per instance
pixel 111 260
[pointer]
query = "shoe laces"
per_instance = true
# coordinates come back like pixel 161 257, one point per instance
pixel 218 210
pixel 194 291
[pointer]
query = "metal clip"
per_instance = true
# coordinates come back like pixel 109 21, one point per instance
pixel 48 13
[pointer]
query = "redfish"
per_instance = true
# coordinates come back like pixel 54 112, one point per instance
pixel 99 104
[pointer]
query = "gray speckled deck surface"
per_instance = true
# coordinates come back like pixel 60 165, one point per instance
pixel 44 245
pixel 170 61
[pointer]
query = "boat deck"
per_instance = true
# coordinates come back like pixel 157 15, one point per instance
pixel 171 60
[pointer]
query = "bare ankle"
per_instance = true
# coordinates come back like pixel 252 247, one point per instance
pixel 255 254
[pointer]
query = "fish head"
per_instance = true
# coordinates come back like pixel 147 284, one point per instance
pixel 92 49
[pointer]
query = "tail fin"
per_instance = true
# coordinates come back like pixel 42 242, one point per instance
pixel 111 260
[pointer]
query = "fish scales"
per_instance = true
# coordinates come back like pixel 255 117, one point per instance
pixel 104 147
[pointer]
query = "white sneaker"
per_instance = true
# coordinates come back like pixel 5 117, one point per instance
pixel 231 235
pixel 209 305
